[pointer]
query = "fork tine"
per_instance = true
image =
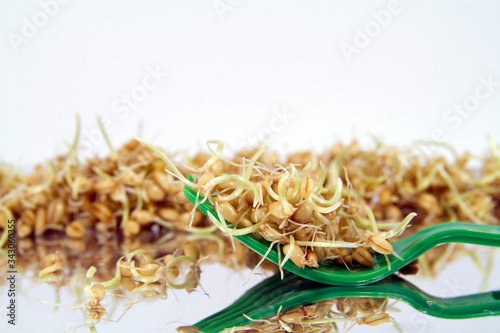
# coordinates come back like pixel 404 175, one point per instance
pixel 407 249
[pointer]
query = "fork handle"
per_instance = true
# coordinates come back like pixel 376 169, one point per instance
pixel 449 232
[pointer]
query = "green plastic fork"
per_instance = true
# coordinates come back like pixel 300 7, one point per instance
pixel 265 299
pixel 407 249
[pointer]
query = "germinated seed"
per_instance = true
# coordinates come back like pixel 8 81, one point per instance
pixel 303 213
pixel 75 229
pixel 101 211
pixel 297 257
pixel 205 178
pixel 24 230
pixel 306 187
pixel 181 198
pixel 49 260
pixel 125 268
pixel 104 186
pixel 380 244
pixel 153 191
pixel 173 273
pixel 127 283
pixel 217 168
pixel 187 329
pixel 270 233
pixel 192 250
pixel 301 234
pixel 277 209
pixel 168 258
pixel 131 229
pixel 312 259
pixel 169 214
pixel 148 269
pixel 293 316
pixel 227 210
pixel 55 211
pixel 376 319
pixel 143 216
pixel 385 196
pixel 362 256
pixel 40 221
pixel 99 290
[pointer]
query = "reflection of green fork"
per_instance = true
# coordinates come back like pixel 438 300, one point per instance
pixel 265 299
pixel 407 249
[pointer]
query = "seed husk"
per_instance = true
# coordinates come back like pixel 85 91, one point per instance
pixel 312 259
pixel 187 329
pixel 376 319
pixel 380 245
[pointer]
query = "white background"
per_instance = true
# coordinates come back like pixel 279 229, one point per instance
pixel 230 67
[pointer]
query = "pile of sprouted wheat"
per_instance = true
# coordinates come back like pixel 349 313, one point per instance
pixel 125 215
pixel 293 205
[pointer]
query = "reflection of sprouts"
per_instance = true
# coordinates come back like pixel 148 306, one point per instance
pixel 296 208
pixel 94 294
pixel 319 317
pixel 137 278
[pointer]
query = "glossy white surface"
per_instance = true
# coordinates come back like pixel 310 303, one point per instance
pixel 224 286
pixel 279 72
